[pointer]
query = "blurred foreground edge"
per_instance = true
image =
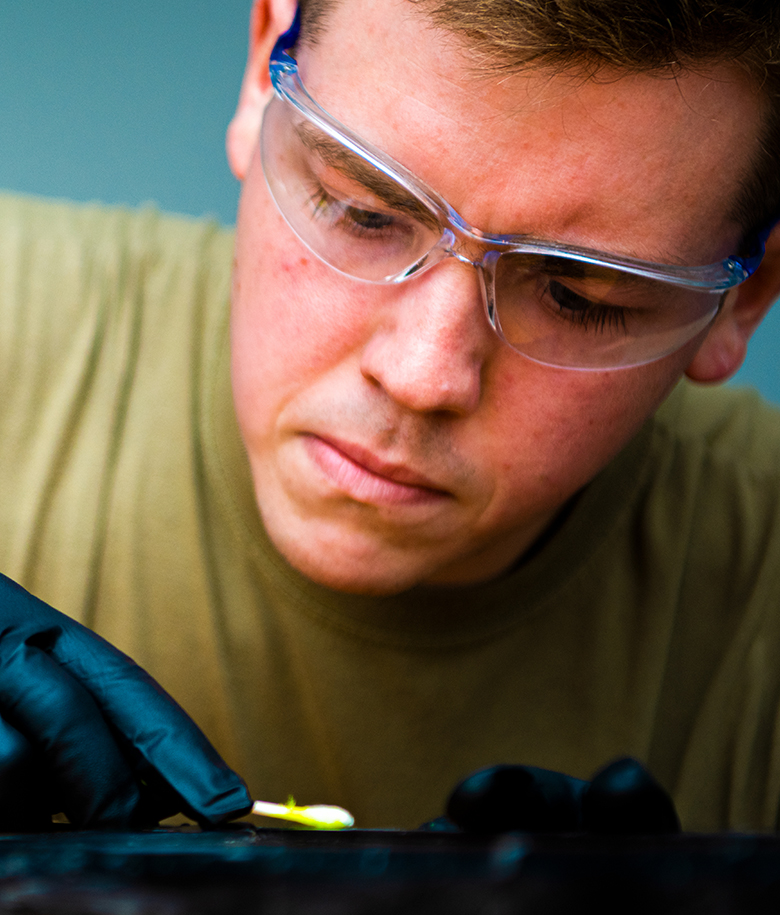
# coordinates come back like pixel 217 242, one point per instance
pixel 357 872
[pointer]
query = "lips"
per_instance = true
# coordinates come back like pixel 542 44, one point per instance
pixel 366 477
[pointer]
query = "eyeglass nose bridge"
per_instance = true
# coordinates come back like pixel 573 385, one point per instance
pixel 467 250
pixel 457 245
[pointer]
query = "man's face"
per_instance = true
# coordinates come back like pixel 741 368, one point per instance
pixel 393 438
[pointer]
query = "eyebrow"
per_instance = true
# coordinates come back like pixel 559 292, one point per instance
pixel 343 160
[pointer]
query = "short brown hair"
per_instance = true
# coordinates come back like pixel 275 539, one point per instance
pixel 650 36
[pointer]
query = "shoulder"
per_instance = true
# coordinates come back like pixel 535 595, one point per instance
pixel 111 323
pixel 65 248
pixel 713 516
pixel 44 217
pixel 71 271
pixel 727 427
pixel 699 501
pixel 712 494
pixel 706 467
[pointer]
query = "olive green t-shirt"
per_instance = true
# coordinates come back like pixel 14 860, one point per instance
pixel 648 625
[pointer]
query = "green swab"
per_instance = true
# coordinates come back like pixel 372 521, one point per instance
pixel 318 816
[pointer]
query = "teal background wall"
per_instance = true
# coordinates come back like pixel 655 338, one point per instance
pixel 128 103
pixel 124 102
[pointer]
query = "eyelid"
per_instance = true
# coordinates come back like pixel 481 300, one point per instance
pixel 380 203
pixel 576 272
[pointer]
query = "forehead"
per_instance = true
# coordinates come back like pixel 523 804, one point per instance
pixel 596 162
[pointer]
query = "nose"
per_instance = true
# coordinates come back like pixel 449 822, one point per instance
pixel 432 341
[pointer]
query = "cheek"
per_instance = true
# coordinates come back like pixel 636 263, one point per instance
pixel 293 318
pixel 560 428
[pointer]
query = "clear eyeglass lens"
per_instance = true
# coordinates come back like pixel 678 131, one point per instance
pixel 567 312
pixel 351 214
pixel 557 310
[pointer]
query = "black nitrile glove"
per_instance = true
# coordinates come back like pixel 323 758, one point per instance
pixel 86 732
pixel 621 799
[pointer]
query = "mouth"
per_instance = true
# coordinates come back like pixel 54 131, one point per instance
pixel 366 478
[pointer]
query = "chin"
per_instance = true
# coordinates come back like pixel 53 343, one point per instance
pixel 370 570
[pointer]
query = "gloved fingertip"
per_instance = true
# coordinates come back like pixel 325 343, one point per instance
pixel 516 798
pixel 623 798
pixel 487 800
pixel 231 803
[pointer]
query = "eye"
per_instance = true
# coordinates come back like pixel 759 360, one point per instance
pixel 583 311
pixel 344 214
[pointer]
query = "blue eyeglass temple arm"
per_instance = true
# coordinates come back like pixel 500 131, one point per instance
pixel 751 262
pixel 289 38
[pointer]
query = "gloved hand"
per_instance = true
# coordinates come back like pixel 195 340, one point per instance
pixel 622 798
pixel 84 731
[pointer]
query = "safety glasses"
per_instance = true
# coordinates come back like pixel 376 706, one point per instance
pixel 370 218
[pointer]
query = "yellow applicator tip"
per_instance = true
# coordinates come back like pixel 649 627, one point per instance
pixel 318 816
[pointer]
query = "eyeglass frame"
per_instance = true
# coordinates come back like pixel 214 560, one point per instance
pixel 720 276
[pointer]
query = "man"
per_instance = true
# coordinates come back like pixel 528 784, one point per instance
pixel 475 544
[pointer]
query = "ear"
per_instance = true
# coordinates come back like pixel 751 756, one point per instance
pixel 724 348
pixel 269 19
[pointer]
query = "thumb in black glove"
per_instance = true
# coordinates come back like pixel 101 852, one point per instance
pixel 622 798
pixel 85 731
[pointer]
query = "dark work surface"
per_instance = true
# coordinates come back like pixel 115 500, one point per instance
pixel 244 870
